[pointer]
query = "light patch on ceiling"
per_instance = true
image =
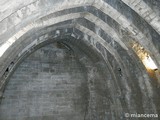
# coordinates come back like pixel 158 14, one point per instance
pixel 6 45
pixel 144 56
pixel 149 63
pixel 3 48
pixel 9 42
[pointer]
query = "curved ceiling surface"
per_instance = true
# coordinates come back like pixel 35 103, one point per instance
pixel 124 33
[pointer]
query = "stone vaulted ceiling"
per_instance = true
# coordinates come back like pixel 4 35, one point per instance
pixel 122 32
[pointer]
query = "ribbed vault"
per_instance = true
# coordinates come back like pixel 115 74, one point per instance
pixel 110 28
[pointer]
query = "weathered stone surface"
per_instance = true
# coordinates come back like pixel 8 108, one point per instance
pixel 46 85
pixel 111 79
